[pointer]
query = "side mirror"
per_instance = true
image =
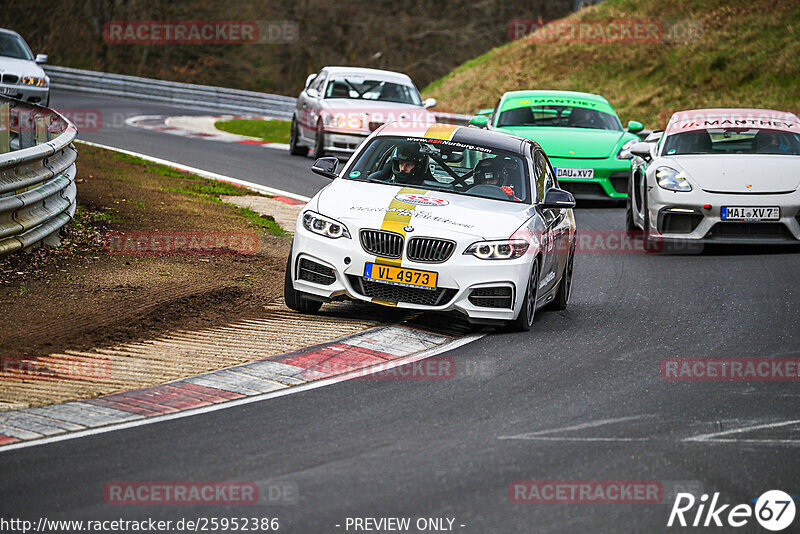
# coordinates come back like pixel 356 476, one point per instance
pixel 311 78
pixel 429 103
pixel 479 121
pixel 643 150
pixel 635 126
pixel 326 167
pixel 41 58
pixel 312 93
pixel 558 199
pixel 485 111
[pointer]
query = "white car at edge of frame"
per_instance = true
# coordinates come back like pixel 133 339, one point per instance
pixel 729 176
pixel 439 218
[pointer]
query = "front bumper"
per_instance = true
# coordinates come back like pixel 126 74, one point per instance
pixel 681 217
pixel 610 179
pixel 27 93
pixel 345 142
pixel 457 277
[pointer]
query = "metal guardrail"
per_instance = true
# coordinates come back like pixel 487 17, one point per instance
pixel 201 97
pixel 37 175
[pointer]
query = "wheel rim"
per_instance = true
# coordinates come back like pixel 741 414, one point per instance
pixel 532 287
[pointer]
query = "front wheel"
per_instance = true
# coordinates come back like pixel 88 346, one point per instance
pixel 294 148
pixel 648 244
pixel 524 320
pixel 294 299
pixel 630 226
pixel 565 288
pixel 319 143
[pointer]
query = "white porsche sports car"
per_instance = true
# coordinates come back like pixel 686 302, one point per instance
pixel 718 176
pixel 439 218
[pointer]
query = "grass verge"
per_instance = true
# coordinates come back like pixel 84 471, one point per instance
pixel 271 131
pixel 739 53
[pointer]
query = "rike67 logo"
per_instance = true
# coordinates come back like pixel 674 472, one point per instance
pixel 774 511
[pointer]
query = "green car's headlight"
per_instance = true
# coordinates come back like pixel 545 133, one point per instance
pixel 319 224
pixel 625 150
pixel 501 249
pixel 672 180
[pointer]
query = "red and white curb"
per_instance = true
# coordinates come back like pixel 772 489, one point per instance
pixel 200 127
pixel 376 350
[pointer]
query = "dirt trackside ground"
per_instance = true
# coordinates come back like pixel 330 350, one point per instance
pixel 81 296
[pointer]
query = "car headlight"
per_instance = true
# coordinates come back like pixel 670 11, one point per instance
pixel 672 180
pixel 625 150
pixel 502 249
pixel 33 80
pixel 353 123
pixel 319 224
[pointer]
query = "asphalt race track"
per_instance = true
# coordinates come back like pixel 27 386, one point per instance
pixel 580 397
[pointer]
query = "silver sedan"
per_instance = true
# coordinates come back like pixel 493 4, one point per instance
pixel 340 106
pixel 20 74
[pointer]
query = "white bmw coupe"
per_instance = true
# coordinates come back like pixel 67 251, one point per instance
pixel 441 218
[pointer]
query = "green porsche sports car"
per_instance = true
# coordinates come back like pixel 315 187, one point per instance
pixel 580 133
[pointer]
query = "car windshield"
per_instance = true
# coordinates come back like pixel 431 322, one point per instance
pixel 733 141
pixel 13 46
pixel 440 165
pixel 563 116
pixel 362 88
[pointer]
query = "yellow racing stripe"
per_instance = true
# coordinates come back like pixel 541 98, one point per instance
pixel 395 220
pixel 441 131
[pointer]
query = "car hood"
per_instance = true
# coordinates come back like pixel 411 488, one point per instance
pixel 572 142
pixel 739 173
pixel 20 67
pixel 365 205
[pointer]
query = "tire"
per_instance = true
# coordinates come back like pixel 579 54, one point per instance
pixel 294 148
pixel 564 287
pixel 294 299
pixel 630 227
pixel 648 245
pixel 319 143
pixel 526 315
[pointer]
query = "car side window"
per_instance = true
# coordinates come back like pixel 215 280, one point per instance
pixel 495 112
pixel 319 82
pixel 549 178
pixel 540 169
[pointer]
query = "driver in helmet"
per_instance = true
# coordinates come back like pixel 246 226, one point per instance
pixel 409 166
pixel 581 118
pixel 494 172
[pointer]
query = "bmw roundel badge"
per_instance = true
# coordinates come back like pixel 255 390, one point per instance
pixel 408 228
